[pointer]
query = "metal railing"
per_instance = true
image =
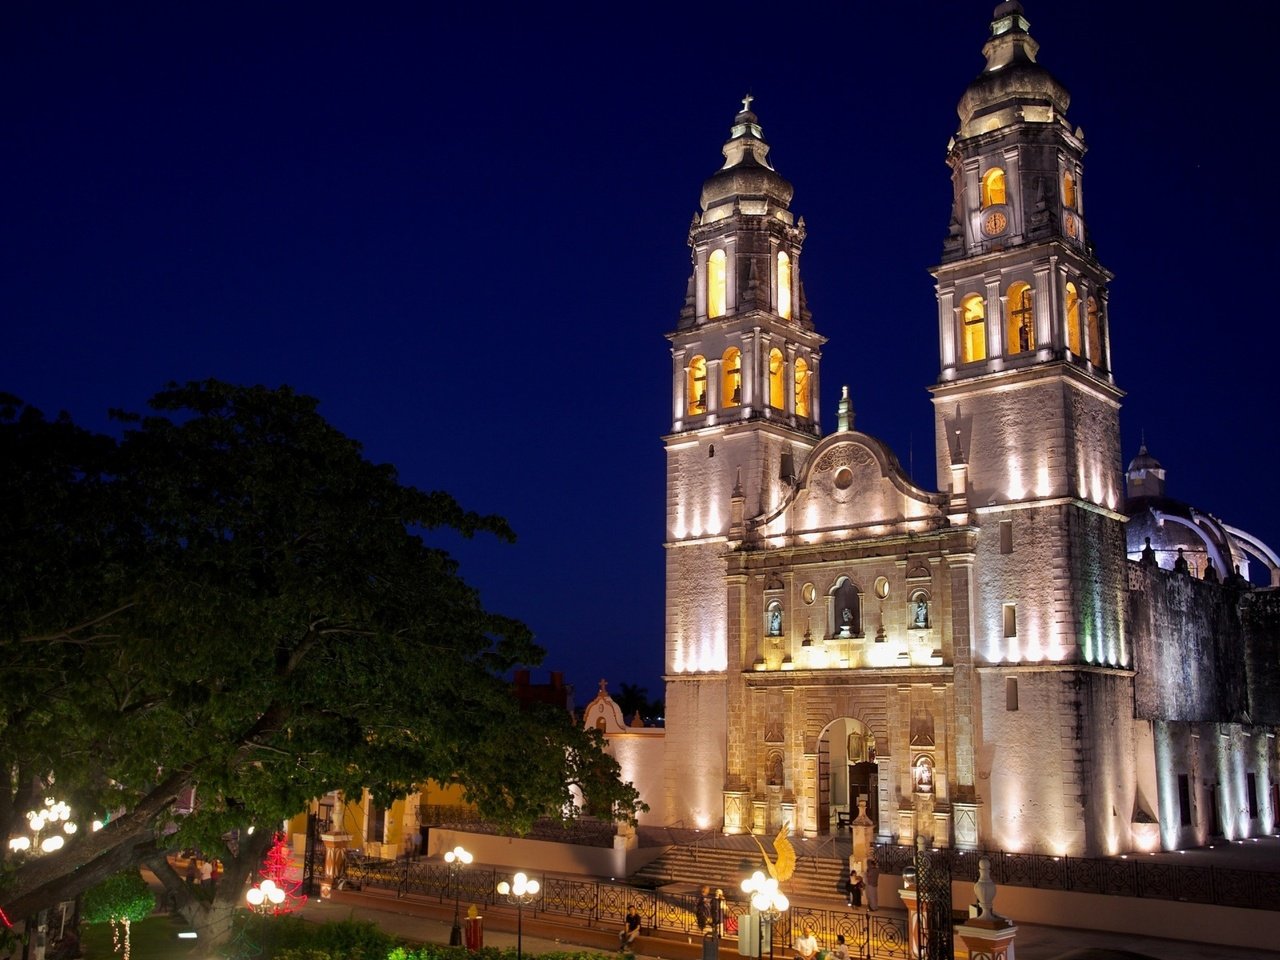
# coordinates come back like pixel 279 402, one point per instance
pixel 1131 877
pixel 869 936
pixel 583 831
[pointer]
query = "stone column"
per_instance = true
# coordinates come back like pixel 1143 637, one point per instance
pixel 335 859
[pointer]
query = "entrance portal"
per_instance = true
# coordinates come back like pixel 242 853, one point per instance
pixel 846 771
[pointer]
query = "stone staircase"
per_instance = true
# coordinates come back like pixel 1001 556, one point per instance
pixel 726 861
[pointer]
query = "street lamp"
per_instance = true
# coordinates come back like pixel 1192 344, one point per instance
pixel 769 902
pixel 457 858
pixel 520 890
pixel 265 897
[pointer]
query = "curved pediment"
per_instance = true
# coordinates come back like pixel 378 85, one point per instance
pixel 850 481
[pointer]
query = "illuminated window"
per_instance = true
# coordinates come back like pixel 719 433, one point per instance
pixel 992 187
pixel 1010 620
pixel 1095 333
pixel 715 284
pixel 973 329
pixel 773 619
pixel 1022 323
pixel 802 388
pixel 777 388
pixel 1075 336
pixel 784 286
pixel 1068 191
pixel 696 397
pixel 731 377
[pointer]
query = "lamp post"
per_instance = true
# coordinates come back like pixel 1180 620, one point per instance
pixel 265 897
pixel 769 902
pixel 520 890
pixel 457 858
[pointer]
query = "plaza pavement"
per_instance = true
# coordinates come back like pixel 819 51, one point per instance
pixel 424 921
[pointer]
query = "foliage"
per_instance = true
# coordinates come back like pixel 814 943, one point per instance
pixel 125 896
pixel 632 699
pixel 231 594
pixel 296 939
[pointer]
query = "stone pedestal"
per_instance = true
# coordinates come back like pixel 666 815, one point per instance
pixel 335 859
pixel 987 940
pixel 910 900
pixel 862 831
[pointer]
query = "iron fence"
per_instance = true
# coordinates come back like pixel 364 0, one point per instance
pixel 869 936
pixel 1132 877
pixel 584 831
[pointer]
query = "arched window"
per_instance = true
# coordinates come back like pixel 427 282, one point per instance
pixel 715 284
pixel 992 187
pixel 1095 333
pixel 1075 333
pixel 1068 191
pixel 731 376
pixel 802 388
pixel 773 619
pixel 696 394
pixel 973 329
pixel 846 609
pixel 777 386
pixel 784 285
pixel 1021 328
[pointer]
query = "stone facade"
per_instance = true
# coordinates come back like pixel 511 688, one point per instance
pixel 988 665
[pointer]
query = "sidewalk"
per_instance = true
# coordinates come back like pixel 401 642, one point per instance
pixel 414 921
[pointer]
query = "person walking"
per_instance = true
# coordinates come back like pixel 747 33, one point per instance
pixel 873 883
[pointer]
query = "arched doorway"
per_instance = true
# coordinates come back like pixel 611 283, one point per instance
pixel 847 770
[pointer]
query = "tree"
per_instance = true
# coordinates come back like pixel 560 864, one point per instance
pixel 121 900
pixel 230 596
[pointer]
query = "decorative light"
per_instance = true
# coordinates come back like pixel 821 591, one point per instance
pixel 457 858
pixel 768 900
pixel 50 844
pixel 520 891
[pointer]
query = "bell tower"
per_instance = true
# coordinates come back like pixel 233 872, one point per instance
pixel 744 417
pixel 1026 414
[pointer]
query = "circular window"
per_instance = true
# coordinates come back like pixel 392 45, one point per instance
pixel 844 478
pixel 882 587
pixel 808 593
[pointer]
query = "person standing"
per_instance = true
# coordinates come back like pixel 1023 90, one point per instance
pixel 854 889
pixel 206 876
pixel 702 911
pixel 873 883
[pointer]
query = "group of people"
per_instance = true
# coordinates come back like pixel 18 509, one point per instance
pixel 857 886
pixel 708 913
pixel 203 873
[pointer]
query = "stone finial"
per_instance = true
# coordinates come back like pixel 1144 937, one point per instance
pixel 1210 571
pixel 1180 565
pixel 1148 555
pixel 985 889
pixel 844 411
pixel 603 684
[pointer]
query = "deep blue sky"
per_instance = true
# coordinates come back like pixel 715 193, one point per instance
pixel 462 227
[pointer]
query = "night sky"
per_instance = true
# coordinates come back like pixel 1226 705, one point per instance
pixel 462 227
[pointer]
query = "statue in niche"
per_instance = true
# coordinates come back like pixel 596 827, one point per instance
pixel 775 621
pixel 920 615
pixel 846 622
pixel 924 775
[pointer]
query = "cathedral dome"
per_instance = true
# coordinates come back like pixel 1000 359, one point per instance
pixel 1144 461
pixel 747 174
pixel 1012 86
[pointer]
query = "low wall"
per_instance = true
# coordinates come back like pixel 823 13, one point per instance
pixel 543 856
pixel 1168 919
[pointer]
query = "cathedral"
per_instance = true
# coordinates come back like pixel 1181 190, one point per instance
pixel 1043 654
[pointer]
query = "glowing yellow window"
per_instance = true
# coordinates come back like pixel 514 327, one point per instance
pixel 802 388
pixel 973 329
pixel 1021 330
pixel 1075 335
pixel 1095 334
pixel 731 387
pixel 777 389
pixel 715 284
pixel 697 386
pixel 1068 191
pixel 784 286
pixel 992 187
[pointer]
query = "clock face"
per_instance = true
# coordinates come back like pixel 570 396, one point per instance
pixel 994 223
pixel 1073 226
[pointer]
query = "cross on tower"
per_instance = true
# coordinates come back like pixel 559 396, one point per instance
pixel 746 102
